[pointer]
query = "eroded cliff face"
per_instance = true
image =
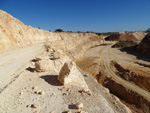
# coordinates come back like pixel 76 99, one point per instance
pixel 14 33
pixel 144 46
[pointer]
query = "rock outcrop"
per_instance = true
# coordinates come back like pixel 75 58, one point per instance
pixel 14 33
pixel 135 36
pixel 144 46
pixel 68 73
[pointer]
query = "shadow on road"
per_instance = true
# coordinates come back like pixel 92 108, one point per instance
pixel 133 51
pixel 30 69
pixel 51 79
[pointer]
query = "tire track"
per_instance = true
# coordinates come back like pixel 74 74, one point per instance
pixel 108 70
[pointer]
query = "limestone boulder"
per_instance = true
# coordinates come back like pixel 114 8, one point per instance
pixel 68 73
pixel 44 65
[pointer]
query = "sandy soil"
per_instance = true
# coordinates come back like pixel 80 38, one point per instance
pixel 14 59
pixel 103 55
pixel 41 92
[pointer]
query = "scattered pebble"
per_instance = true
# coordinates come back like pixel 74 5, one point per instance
pixel 35 88
pixel 69 111
pixel 52 112
pixel 35 112
pixel 53 95
pixel 60 89
pixel 27 106
pixel 32 63
pixel 86 75
pixel 65 94
pixel 35 92
pixel 21 93
pixel 79 105
pixel 41 92
pixel 34 106
pixel 86 91
pixel 83 112
pixel 68 90
pixel 37 59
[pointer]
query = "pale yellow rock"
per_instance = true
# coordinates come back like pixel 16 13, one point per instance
pixel 41 92
pixel 44 65
pixel 86 91
pixel 79 105
pixel 68 73
pixel 34 106
pixel 83 112
pixel 52 112
pixel 58 54
pixel 69 111
pixel 35 88
pixel 38 59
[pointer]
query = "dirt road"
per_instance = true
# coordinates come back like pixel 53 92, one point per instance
pixel 104 54
pixel 12 60
pixel 110 72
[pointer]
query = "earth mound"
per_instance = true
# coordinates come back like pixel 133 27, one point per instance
pixel 144 46
pixel 135 36
pixel 123 44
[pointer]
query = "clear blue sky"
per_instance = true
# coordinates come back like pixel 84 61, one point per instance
pixel 81 15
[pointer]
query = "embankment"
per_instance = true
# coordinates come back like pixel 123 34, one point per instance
pixel 127 95
pixel 13 33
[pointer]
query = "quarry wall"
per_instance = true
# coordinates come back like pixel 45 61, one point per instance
pixel 13 33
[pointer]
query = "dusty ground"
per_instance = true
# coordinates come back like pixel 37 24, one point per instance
pixel 41 92
pixel 12 60
pixel 101 57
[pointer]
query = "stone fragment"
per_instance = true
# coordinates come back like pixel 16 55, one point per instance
pixel 41 92
pixel 86 91
pixel 58 54
pixel 69 111
pixel 67 73
pixel 79 105
pixel 44 65
pixel 53 95
pixel 86 75
pixel 27 106
pixel 35 92
pixel 34 106
pixel 34 88
pixel 106 89
pixel 52 112
pixel 83 112
pixel 38 59
pixel 35 112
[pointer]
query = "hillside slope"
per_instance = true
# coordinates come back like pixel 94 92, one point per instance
pixel 144 46
pixel 14 33
pixel 135 36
